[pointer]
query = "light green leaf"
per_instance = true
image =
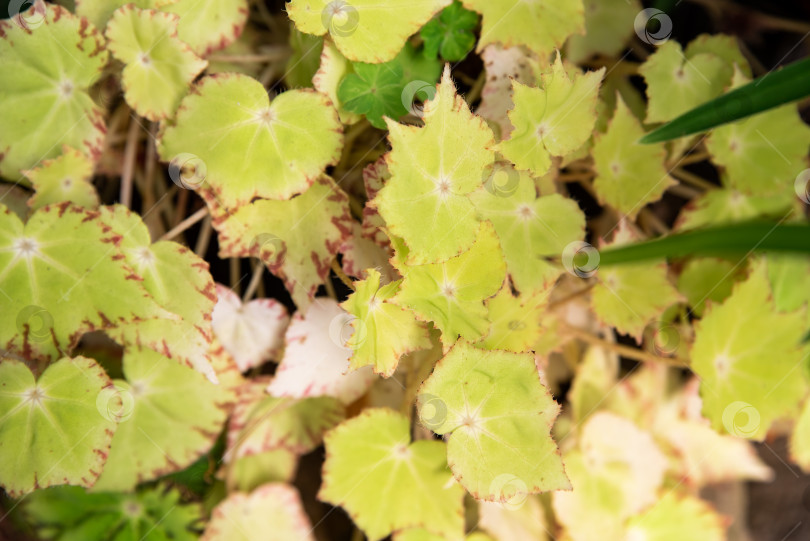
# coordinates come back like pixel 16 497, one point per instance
pixel 763 153
pixel 44 104
pixel 248 146
pixel 675 517
pixel 789 276
pixel 247 473
pixel 243 517
pixel 727 205
pixel 98 12
pixel 515 320
pixel 597 374
pixel 622 297
pixel 208 25
pixel 261 423
pixel 800 439
pixel 375 175
pixel 707 279
pixel 629 175
pixel 152 514
pixel 387 483
pixel 452 293
pixel 721 45
pixel 502 65
pixel 67 276
pixel 159 67
pixel 499 443
pixel 167 415
pixel 296 239
pixel 608 27
pixel 616 472
pixel 364 30
pixel 333 68
pixel 425 201
pixel 749 359
pixel 383 332
pixel 554 120
pixel 302 66
pixel 677 83
pixel 66 178
pixel 529 227
pixel 176 279
pixel 541 26
pixel 51 431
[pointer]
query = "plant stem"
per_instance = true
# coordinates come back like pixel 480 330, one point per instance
pixel 693 179
pixel 186 224
pixel 477 87
pixel 255 280
pixel 342 275
pixel 205 237
pixel 273 56
pixel 129 163
pixel 624 351
pixel 570 297
pixel 233 264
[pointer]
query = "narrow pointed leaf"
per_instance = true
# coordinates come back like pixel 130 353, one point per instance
pixel 773 89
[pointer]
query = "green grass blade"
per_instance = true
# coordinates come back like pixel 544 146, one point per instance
pixel 728 240
pixel 775 88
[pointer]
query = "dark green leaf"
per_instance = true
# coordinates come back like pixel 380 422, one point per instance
pixel 450 34
pixel 771 90
pixel 373 90
pixel 728 240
